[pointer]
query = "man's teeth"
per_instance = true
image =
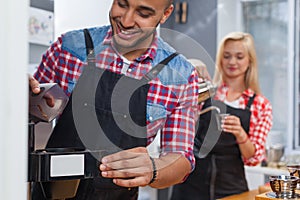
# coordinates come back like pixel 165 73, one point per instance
pixel 126 32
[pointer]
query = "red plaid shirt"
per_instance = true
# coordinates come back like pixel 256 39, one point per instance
pixel 260 121
pixel 177 130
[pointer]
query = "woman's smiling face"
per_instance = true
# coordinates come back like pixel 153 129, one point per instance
pixel 235 60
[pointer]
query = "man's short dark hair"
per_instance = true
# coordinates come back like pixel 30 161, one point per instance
pixel 169 2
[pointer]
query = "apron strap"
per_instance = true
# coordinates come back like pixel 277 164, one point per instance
pixel 89 46
pixel 156 69
pixel 250 101
pixel 213 177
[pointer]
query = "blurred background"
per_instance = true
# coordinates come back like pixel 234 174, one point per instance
pixel 29 27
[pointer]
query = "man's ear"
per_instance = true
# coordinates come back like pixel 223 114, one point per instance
pixel 167 14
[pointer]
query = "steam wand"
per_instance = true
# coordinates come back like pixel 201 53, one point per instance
pixel 209 109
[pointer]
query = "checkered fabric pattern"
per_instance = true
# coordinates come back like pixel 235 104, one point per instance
pixel 261 121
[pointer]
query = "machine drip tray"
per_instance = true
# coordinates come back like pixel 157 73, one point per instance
pixel 60 189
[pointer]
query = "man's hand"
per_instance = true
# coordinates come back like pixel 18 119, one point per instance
pixel 128 168
pixel 34 84
pixel 49 100
pixel 35 88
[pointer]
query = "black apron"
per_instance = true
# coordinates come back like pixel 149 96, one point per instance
pixel 119 105
pixel 221 173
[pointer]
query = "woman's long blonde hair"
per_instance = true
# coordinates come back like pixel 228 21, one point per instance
pixel 251 77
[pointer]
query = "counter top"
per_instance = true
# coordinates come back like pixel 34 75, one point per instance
pixel 250 195
pixel 254 195
pixel 264 196
pixel 267 170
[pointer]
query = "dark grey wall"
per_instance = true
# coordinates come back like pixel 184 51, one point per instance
pixel 196 38
pixel 43 4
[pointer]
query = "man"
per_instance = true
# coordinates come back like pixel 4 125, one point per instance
pixel 162 86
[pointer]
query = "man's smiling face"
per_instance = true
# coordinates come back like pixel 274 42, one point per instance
pixel 134 21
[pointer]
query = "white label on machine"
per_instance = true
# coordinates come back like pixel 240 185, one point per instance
pixel 67 165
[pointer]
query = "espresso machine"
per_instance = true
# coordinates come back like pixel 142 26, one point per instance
pixel 57 170
pixel 207 90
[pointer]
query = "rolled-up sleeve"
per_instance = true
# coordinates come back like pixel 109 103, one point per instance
pixel 260 124
pixel 179 130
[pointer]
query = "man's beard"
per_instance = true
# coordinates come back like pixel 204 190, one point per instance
pixel 136 44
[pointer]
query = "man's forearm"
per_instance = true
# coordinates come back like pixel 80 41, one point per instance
pixel 172 168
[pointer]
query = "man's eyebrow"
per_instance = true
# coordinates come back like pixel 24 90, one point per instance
pixel 147 9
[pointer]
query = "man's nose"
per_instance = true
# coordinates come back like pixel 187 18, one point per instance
pixel 128 19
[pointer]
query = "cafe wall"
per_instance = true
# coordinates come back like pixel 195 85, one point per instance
pixel 83 14
pixel 192 30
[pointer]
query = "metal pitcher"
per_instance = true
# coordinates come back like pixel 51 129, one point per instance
pixel 48 104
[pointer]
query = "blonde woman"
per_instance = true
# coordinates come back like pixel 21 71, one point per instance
pixel 244 131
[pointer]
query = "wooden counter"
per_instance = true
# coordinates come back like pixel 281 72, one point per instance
pixel 250 195
pixel 265 197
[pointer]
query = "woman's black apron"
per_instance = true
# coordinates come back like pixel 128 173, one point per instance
pixel 121 128
pixel 221 173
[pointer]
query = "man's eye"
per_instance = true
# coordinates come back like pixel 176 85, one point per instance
pixel 122 4
pixel 144 15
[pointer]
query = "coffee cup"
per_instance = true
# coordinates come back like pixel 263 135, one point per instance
pixel 220 120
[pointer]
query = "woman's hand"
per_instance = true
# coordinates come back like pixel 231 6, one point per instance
pixel 128 168
pixel 232 124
